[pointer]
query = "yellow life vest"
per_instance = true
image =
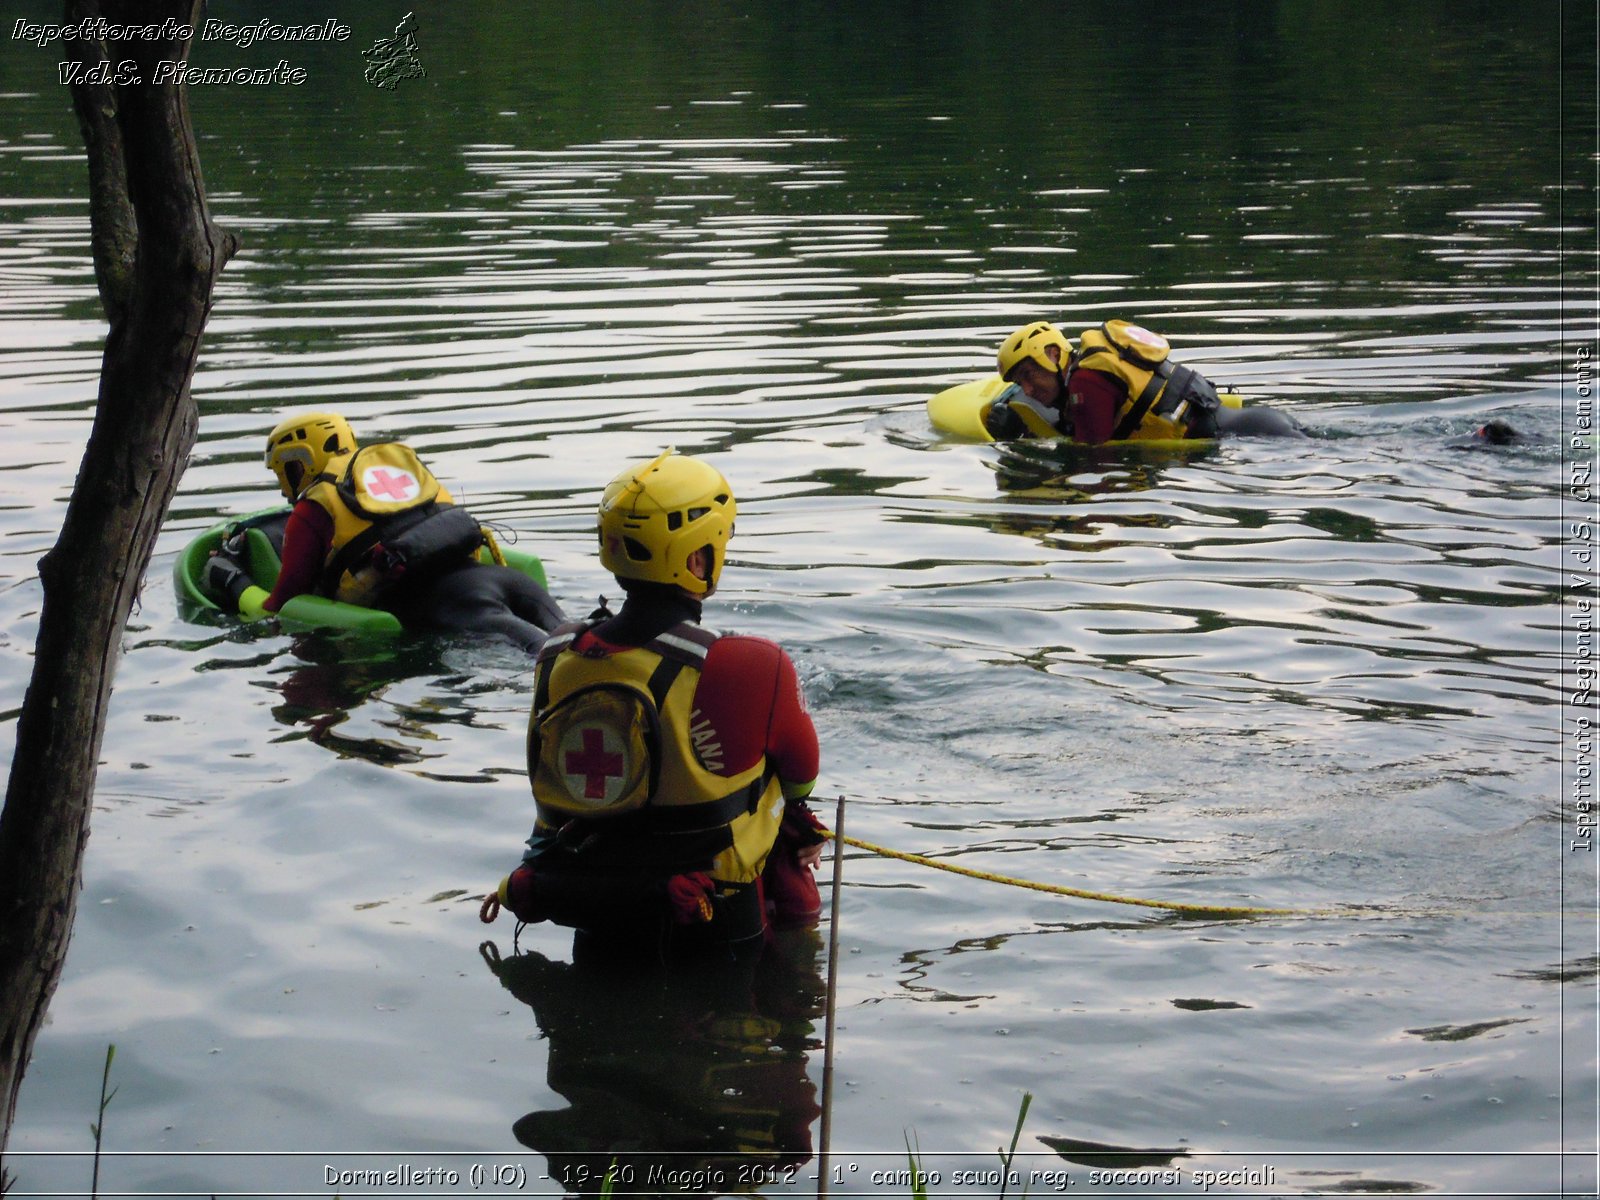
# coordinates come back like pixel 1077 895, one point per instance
pixel 1165 401
pixel 614 761
pixel 391 518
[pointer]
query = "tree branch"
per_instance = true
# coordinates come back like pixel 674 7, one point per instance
pixel 157 257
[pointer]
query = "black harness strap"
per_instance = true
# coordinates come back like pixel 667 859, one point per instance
pixel 690 818
pixel 359 548
pixel 1175 400
pixel 661 680
pixel 1177 385
pixel 1137 410
pixel 541 684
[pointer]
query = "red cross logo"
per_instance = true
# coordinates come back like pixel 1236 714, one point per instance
pixel 595 763
pixel 387 485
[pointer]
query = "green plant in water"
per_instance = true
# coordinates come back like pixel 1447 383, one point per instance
pixel 919 1181
pixel 1006 1156
pixel 608 1185
pixel 919 1178
pixel 98 1127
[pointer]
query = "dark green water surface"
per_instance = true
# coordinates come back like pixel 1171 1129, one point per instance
pixel 1334 674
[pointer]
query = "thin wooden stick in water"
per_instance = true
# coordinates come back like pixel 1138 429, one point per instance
pixel 833 993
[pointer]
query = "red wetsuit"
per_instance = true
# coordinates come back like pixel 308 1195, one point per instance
pixel 307 537
pixel 1093 398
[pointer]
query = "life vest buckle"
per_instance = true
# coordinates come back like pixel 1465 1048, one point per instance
pixel 387 563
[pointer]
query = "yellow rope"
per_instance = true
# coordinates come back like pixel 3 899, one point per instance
pixel 1056 889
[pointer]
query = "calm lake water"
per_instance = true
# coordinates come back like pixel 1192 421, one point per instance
pixel 1331 675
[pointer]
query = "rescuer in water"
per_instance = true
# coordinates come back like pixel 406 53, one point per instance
pixel 1119 384
pixel 669 764
pixel 371 526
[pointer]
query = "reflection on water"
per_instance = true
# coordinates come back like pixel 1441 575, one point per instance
pixel 690 1083
pixel 1319 674
pixel 337 675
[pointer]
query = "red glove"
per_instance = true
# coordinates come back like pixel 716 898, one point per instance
pixel 690 897
pixel 517 894
pixel 801 827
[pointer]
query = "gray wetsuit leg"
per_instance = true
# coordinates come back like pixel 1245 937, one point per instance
pixel 489 599
pixel 1257 421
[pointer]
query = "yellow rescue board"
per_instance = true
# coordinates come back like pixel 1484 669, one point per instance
pixel 959 411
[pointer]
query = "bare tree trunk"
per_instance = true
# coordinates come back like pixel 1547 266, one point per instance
pixel 157 257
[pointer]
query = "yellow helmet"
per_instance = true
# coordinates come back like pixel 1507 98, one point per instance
pixel 311 440
pixel 1030 342
pixel 654 515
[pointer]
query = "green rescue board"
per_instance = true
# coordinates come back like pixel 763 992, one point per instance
pixel 302 612
pixel 959 411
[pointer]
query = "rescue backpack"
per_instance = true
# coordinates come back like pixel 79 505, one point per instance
pixel 596 753
pixel 408 526
pixel 385 479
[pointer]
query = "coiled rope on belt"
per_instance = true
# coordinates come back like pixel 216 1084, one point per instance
pixel 1057 889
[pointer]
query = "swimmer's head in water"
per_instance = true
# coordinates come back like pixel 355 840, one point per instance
pixel 655 517
pixel 300 448
pixel 1496 433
